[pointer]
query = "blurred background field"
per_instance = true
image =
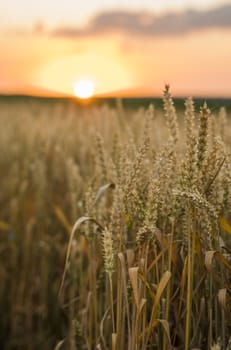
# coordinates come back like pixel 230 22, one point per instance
pixel 168 189
pixel 129 103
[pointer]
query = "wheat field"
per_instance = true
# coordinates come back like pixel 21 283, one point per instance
pixel 115 227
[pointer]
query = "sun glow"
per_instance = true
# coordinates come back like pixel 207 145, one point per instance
pixel 84 88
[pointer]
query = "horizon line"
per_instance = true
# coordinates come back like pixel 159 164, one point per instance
pixel 111 96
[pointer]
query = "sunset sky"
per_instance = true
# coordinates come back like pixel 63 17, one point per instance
pixel 130 47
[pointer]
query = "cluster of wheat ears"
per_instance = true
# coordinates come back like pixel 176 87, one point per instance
pixel 115 228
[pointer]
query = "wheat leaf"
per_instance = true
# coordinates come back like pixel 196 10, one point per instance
pixel 102 190
pixel 80 221
pixel 225 225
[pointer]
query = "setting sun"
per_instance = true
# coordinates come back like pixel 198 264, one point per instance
pixel 84 88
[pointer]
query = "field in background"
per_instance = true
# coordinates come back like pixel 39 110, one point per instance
pixel 148 263
pixel 128 103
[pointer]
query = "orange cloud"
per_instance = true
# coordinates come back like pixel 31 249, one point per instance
pixel 148 24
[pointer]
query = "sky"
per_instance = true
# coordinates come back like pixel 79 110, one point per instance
pixel 124 47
